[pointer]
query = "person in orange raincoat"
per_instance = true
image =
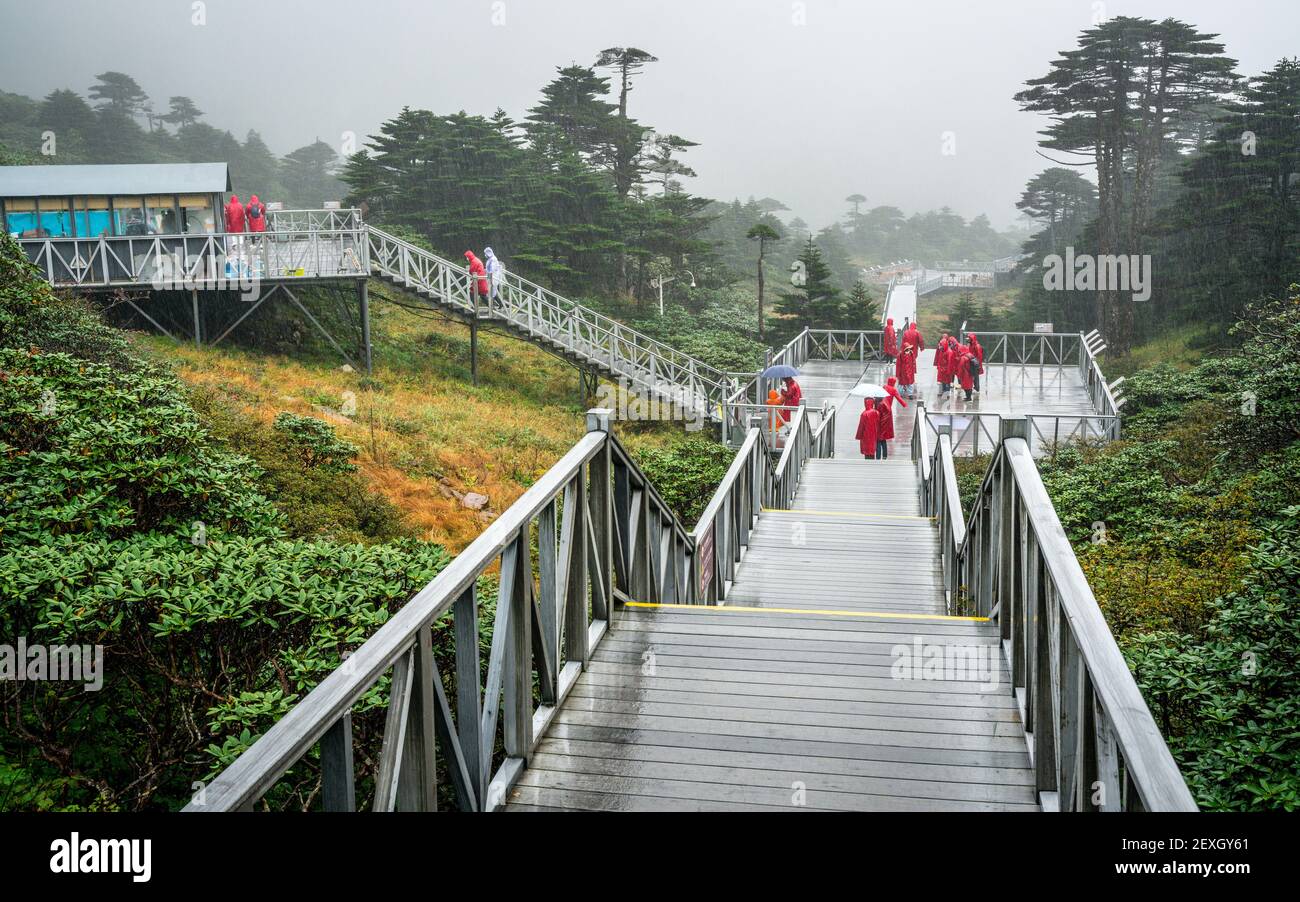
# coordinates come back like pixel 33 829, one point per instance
pixel 884 427
pixel 774 399
pixel 868 429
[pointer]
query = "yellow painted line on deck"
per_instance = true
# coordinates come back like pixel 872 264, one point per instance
pixel 786 510
pixel 740 609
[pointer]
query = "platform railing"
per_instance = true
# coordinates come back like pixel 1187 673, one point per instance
pixel 823 437
pixel 844 344
pixel 801 443
pixel 348 219
pixel 975 433
pixel 198 261
pixel 1093 742
pixel 940 497
pixel 722 533
pixel 602 535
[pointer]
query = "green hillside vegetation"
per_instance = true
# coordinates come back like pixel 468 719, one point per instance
pixel 1197 564
pixel 224 561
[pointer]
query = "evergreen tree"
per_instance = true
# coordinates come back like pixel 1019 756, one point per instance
pixel 861 311
pixel 764 234
pixel 1118 99
pixel 118 92
pixel 964 311
pixel 71 119
pixel 182 112
pixel 308 175
pixel 1236 229
pixel 816 304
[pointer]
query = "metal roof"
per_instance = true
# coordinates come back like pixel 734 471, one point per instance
pixel 116 178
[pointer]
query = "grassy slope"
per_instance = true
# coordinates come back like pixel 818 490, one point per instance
pixel 419 420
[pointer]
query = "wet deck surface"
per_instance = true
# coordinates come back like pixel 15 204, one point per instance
pixel 1053 396
pixel 711 709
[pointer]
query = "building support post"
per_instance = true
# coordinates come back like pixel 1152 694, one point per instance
pixel 363 299
pixel 194 303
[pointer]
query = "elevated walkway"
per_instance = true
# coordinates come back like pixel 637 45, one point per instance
pixel 834 634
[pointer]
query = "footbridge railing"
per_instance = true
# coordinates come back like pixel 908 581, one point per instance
pixel 804 441
pixel 649 364
pixel 599 533
pixel 590 535
pixel 974 433
pixel 1092 739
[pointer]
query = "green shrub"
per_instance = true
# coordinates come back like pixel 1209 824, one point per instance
pixel 126 524
pixel 1229 704
pixel 313 501
pixel 315 443
pixel 687 474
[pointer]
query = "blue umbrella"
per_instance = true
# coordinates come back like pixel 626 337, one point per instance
pixel 780 371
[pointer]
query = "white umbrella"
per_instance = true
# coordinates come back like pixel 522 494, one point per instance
pixel 868 390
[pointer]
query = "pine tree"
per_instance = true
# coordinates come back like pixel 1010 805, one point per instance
pixel 815 304
pixel 182 112
pixel 118 92
pixel 964 312
pixel 861 311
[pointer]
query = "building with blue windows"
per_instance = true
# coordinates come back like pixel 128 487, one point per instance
pixel 104 201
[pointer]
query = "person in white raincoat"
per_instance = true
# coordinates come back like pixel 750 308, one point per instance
pixel 495 272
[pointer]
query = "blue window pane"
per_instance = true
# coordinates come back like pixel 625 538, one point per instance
pixel 92 224
pixel 56 224
pixel 18 223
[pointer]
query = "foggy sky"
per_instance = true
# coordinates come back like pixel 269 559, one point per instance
pixel 856 99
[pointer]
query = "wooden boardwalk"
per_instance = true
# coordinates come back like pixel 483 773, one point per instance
pixel 809 689
pixel 831 679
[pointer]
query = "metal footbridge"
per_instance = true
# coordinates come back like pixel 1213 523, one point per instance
pixel 832 634
pixel 314 247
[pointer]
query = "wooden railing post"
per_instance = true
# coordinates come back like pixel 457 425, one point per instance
pixel 601 510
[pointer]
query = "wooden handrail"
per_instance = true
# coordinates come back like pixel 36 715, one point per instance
pixel 1094 743
pixel 602 534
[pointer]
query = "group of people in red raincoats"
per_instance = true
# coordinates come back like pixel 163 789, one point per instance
pixel 956 362
pixel 876 422
pixel 242 218
pixel 963 363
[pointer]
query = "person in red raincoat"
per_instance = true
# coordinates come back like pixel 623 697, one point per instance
pixel 967 365
pixel 476 268
pixel 907 368
pixel 916 338
pixel 234 215
pixel 893 392
pixel 884 428
pixel 889 341
pixel 234 211
pixel 978 353
pixel 791 395
pixel 868 428
pixel 255 215
pixel 944 364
